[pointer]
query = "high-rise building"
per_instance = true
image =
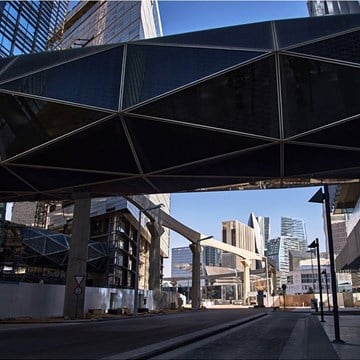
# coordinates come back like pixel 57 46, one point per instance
pixel 279 251
pixel 107 22
pixel 321 8
pixel 241 236
pixel 181 262
pixel 264 223
pixel 294 228
pixel 27 26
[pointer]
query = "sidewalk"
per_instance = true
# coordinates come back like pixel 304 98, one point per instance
pixel 349 331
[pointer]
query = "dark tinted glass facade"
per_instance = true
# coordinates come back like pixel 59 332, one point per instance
pixel 273 105
pixel 26 26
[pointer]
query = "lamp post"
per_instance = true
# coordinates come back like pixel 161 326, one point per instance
pixel 137 258
pixel 267 280
pixel 315 245
pixel 312 270
pixel 327 288
pixel 320 197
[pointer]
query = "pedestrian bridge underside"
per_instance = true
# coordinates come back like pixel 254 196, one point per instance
pixel 263 105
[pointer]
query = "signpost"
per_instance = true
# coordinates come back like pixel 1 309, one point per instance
pixel 283 286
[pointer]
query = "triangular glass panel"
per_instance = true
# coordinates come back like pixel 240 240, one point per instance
pixel 53 179
pixel 52 247
pixel 4 62
pixel 193 183
pixel 25 64
pixel 316 93
pixel 295 31
pixel 103 147
pixel 9 182
pixel 131 186
pixel 243 100
pixel 93 80
pixel 259 163
pixel 297 160
pixel 344 134
pixel 61 240
pixel 154 70
pixel 28 122
pixel 37 244
pixel 344 47
pixel 249 36
pixel 150 138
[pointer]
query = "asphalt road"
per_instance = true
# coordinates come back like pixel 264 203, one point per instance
pixel 205 334
pixel 101 339
pixel 264 338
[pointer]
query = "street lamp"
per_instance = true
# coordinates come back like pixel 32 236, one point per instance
pixel 327 288
pixel 267 280
pixel 312 270
pixel 138 237
pixel 315 245
pixel 320 197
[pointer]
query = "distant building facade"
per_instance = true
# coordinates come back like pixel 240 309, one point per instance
pixel 264 223
pixel 181 262
pixel 321 8
pixel 27 26
pixel 295 228
pixel 279 251
pixel 92 23
pixel 305 279
pixel 240 235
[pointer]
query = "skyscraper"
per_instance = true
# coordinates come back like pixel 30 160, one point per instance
pixel 26 26
pixel 294 228
pixel 107 22
pixel 321 8
pixel 279 251
pixel 240 235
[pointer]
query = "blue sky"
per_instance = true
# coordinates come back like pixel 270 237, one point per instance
pixel 187 16
pixel 205 211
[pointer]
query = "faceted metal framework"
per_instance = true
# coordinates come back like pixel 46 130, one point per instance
pixel 53 248
pixel 271 104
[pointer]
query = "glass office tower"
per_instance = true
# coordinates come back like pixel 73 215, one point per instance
pixel 107 22
pixel 26 26
pixel 321 8
pixel 294 228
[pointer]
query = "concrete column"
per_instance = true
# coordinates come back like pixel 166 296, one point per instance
pixel 195 289
pixel 246 279
pixel 78 254
pixel 156 230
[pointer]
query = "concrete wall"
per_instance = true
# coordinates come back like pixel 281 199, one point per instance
pixel 45 300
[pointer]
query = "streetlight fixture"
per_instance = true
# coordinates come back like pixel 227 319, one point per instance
pixel 315 245
pixel 138 239
pixel 320 197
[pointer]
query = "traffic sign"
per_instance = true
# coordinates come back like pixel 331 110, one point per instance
pixel 79 279
pixel 78 290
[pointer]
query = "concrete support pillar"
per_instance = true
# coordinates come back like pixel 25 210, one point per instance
pixel 156 230
pixel 246 279
pixel 78 254
pixel 195 289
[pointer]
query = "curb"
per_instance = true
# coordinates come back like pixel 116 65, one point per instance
pixel 171 344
